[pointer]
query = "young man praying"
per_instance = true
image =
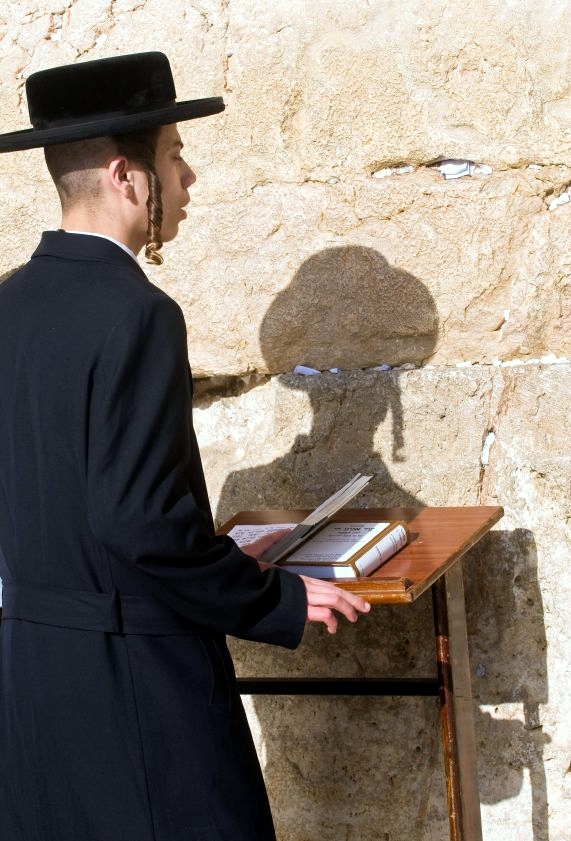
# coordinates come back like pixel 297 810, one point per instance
pixel 120 718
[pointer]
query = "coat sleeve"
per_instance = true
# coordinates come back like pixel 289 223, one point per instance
pixel 141 458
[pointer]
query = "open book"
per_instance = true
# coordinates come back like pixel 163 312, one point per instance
pixel 324 549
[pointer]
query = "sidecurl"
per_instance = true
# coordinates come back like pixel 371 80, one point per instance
pixel 142 147
pixel 155 217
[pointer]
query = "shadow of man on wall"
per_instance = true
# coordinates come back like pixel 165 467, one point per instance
pixel 346 308
pixel 342 768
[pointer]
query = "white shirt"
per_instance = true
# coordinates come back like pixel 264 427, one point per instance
pixel 104 236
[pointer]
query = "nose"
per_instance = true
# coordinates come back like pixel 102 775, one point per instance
pixel 188 177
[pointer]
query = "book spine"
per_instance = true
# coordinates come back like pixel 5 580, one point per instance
pixel 384 549
pixel 325 571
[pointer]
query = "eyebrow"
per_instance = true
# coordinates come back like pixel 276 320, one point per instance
pixel 177 143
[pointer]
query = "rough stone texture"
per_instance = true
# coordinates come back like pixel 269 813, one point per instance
pixel 345 87
pixel 319 99
pixel 298 251
pixel 290 441
pixel 409 268
pixel 519 632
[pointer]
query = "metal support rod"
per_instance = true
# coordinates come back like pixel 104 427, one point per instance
pixel 447 717
pixel 338 686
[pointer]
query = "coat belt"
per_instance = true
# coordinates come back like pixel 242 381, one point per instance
pixel 111 613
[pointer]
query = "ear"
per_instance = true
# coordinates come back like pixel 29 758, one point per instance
pixel 125 179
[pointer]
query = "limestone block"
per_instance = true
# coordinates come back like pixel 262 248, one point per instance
pixel 322 768
pixel 494 258
pixel 405 269
pixel 283 292
pixel 401 269
pixel 408 269
pixel 517 589
pixel 276 444
pixel 331 89
pixel 290 441
pixel 538 318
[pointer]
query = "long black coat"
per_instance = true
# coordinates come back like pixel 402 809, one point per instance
pixel 119 717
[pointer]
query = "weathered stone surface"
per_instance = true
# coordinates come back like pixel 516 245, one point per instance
pixel 293 440
pixel 402 269
pixel 295 252
pixel 405 269
pixel 517 591
pixel 464 255
pixel 345 87
pixel 322 754
pixel 286 442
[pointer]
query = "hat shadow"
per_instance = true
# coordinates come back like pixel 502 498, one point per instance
pixel 348 308
pixel 345 308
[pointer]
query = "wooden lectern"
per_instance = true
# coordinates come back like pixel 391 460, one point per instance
pixel 439 539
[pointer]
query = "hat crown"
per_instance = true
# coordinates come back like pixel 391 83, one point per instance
pixel 105 97
pixel 103 88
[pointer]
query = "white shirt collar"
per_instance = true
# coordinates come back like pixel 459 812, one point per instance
pixel 104 236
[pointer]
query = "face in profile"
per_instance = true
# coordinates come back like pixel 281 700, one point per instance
pixel 175 177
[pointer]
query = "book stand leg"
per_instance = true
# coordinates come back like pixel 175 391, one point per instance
pixel 452 686
pixel 456 714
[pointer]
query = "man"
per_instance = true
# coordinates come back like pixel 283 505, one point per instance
pixel 120 718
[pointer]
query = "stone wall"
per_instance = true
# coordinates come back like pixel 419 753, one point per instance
pixel 323 232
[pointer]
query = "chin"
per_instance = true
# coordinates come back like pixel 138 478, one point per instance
pixel 170 233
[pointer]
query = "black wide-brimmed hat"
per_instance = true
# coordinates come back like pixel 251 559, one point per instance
pixel 103 97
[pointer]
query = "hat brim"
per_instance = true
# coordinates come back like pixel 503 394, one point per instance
pixel 113 124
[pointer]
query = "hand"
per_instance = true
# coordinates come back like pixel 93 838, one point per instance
pixel 324 600
pixel 259 546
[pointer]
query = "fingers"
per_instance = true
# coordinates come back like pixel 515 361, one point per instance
pixel 257 548
pixel 327 594
pixel 323 614
pixel 325 600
